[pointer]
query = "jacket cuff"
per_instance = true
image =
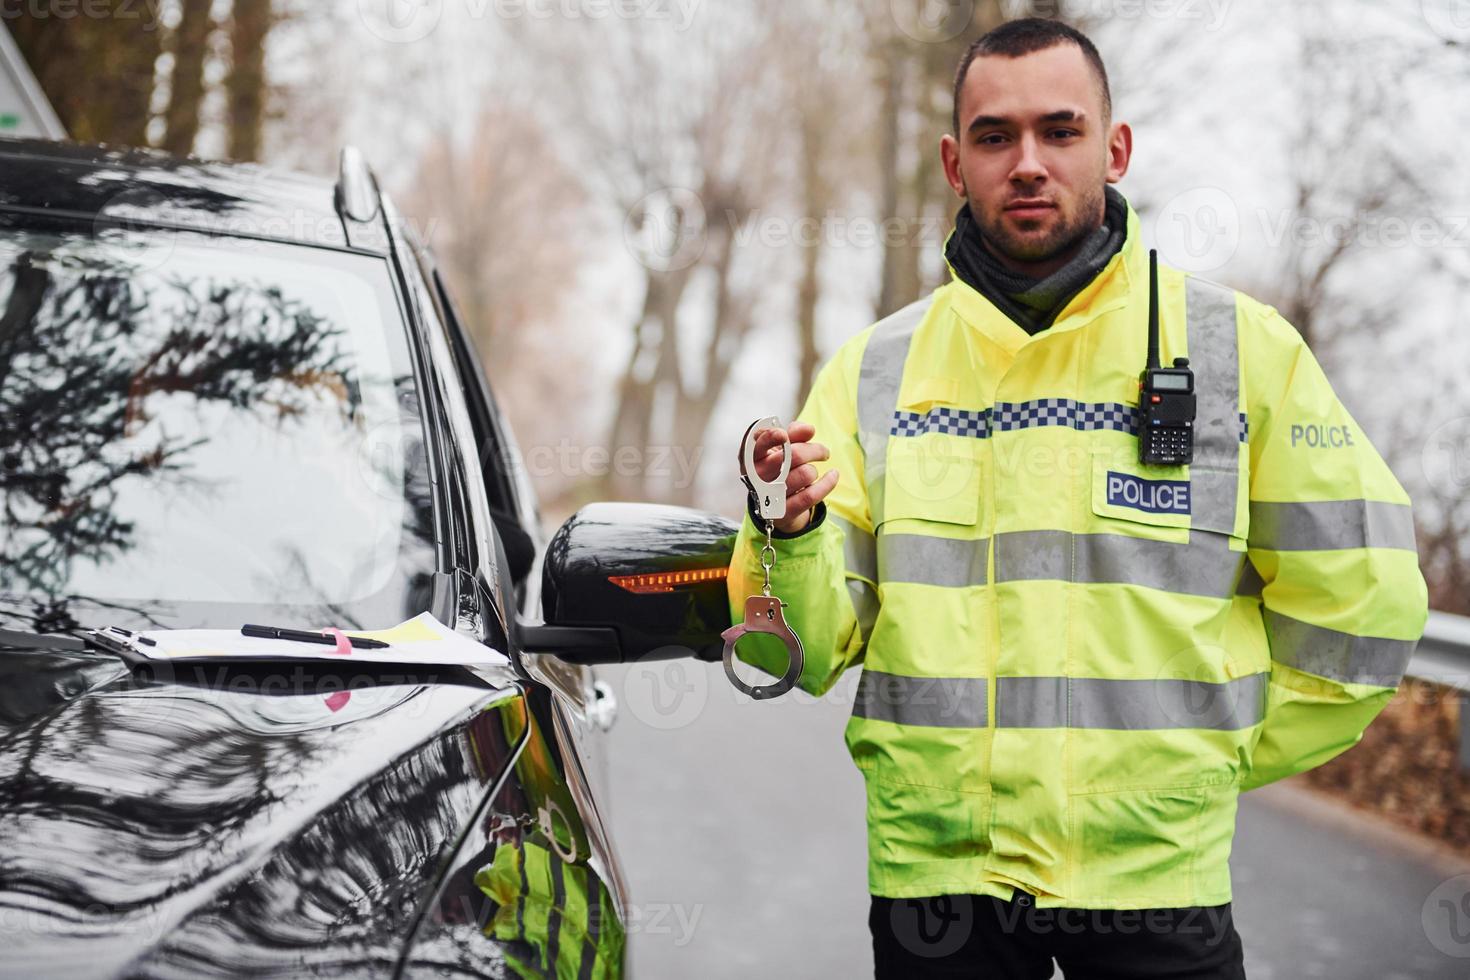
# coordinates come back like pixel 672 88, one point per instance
pixel 807 541
pixel 818 516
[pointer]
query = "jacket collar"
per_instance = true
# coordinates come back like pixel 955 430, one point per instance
pixel 1123 279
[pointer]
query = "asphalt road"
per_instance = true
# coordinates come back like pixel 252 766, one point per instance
pixel 740 827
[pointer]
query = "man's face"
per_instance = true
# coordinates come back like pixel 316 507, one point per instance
pixel 1034 153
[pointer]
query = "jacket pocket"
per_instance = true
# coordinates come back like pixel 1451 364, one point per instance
pixel 932 477
pixel 1152 848
pixel 1158 508
pixel 1125 490
pixel 920 830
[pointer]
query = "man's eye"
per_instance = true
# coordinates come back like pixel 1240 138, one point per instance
pixel 991 138
pixel 1064 133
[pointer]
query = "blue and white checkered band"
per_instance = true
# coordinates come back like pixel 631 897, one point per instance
pixel 1082 416
pixel 950 421
pixel 1245 428
pixel 1010 416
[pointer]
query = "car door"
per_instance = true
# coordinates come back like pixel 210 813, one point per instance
pixel 580 709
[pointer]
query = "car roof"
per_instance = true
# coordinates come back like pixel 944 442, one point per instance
pixel 125 186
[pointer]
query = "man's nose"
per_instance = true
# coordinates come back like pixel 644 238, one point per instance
pixel 1028 167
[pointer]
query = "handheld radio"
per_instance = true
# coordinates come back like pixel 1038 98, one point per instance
pixel 1165 395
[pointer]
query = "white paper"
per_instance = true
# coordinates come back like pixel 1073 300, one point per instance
pixel 420 640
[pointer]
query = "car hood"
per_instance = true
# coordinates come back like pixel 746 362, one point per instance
pixel 226 822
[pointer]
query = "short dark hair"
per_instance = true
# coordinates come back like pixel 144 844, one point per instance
pixel 1027 36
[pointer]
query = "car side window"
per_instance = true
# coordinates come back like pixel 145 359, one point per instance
pixel 495 438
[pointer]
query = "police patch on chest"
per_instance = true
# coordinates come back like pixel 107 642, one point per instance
pixel 1149 496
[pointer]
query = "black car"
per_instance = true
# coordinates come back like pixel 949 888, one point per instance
pixel 234 396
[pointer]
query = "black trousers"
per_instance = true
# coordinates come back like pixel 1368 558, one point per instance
pixel 978 936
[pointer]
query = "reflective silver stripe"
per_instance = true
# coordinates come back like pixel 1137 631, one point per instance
pixel 859 555
pixel 930 560
pixel 1213 476
pixel 859 551
pixel 865 606
pixel 1342 657
pixel 935 702
pixel 877 393
pixel 1331 524
pixel 1251 583
pixel 1132 705
pixel 1205 566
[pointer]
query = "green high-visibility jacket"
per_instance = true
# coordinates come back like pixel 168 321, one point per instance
pixel 1072 663
pixel 556 919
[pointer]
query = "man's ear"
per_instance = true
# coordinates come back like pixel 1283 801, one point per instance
pixel 949 156
pixel 1120 151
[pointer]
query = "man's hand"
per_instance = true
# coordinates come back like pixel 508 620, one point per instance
pixel 801 493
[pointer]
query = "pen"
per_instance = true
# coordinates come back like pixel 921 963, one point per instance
pixel 305 636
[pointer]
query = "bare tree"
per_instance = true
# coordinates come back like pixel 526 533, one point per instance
pixel 913 56
pixel 245 86
pixel 188 44
pixel 98 73
pixel 501 214
pixel 673 131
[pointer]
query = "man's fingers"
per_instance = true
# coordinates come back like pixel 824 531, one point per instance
pixel 804 499
pixel 768 439
pixel 802 453
pixel 771 444
pixel 801 431
pixel 808 452
pixel 799 479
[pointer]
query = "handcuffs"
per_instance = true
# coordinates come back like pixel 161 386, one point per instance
pixel 763 612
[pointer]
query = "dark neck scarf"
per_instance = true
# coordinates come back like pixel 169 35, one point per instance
pixel 1031 302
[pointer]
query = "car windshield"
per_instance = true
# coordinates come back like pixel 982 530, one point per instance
pixel 203 431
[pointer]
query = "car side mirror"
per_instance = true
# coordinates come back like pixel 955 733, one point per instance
pixel 624 582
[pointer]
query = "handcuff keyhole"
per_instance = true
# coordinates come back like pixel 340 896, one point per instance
pixel 771 614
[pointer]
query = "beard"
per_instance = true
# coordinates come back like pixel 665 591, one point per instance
pixel 1066 234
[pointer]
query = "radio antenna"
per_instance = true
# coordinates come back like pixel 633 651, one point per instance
pixel 1153 308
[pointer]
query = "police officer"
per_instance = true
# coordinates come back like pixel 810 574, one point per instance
pixel 1073 661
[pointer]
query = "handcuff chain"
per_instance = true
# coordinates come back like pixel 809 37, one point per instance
pixel 768 563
